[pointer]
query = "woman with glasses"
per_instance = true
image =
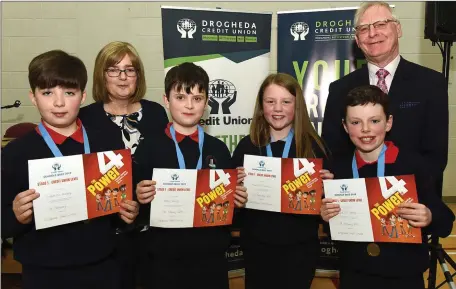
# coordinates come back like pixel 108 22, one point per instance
pixel 119 87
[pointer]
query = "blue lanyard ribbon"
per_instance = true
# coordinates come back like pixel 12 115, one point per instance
pixel 180 156
pixel 286 149
pixel 380 164
pixel 53 147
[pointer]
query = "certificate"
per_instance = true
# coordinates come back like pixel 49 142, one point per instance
pixel 193 198
pixel 369 209
pixel 286 185
pixel 79 187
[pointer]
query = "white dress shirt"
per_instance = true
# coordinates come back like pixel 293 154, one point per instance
pixel 391 68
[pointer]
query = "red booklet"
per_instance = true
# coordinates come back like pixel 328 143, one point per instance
pixel 214 199
pixel 108 179
pixel 301 189
pixel 385 194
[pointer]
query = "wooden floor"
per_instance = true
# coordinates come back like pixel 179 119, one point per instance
pixel 11 280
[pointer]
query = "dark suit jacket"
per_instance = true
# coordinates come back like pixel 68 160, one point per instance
pixel 419 104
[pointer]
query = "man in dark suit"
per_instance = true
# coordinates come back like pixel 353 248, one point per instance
pixel 418 95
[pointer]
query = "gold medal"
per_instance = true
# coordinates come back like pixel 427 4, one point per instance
pixel 373 249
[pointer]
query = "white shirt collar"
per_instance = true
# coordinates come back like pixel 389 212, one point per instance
pixel 391 67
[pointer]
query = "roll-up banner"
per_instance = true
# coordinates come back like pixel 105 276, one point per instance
pixel 318 47
pixel 234 49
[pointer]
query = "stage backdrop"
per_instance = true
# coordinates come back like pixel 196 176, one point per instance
pixel 233 47
pixel 318 47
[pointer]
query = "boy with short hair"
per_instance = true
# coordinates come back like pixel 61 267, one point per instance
pixel 181 257
pixel 71 256
pixel 398 265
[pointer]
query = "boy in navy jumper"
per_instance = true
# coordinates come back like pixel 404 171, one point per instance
pixel 76 255
pixel 186 257
pixel 392 265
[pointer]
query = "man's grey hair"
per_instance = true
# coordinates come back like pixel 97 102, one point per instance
pixel 366 5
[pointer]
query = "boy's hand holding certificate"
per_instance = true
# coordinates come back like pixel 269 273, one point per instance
pixel 368 209
pixel 193 198
pixel 79 187
pixel 287 185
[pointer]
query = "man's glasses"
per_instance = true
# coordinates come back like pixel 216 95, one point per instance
pixel 115 72
pixel 363 29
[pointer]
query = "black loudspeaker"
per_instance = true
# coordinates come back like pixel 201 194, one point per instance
pixel 440 21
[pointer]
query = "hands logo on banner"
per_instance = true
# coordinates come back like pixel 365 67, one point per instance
pixel 299 30
pixel 186 27
pixel 224 90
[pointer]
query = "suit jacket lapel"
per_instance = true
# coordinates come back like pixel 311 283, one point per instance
pixel 364 79
pixel 399 85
